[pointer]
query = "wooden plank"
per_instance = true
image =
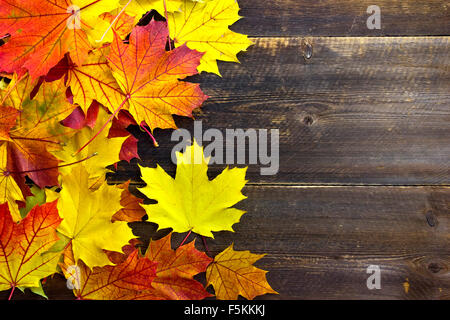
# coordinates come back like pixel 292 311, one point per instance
pixel 342 18
pixel 359 111
pixel 320 240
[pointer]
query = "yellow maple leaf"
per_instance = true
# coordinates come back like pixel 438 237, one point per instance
pixel 138 8
pixel 203 26
pixel 102 19
pixel 232 273
pixel 95 8
pixel 191 202
pixel 9 190
pixel 87 218
pixel 99 153
pixel 96 28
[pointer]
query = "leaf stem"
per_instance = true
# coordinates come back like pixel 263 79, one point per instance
pixel 12 292
pixel 67 245
pixel 185 238
pixel 37 140
pixel 155 143
pixel 205 245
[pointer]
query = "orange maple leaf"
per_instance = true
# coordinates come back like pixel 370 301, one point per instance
pixel 149 76
pixel 23 258
pixel 41 32
pixel 232 273
pixel 89 81
pixel 120 282
pixel 175 271
pixel 132 210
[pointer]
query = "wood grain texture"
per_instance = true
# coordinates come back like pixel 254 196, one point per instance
pixel 343 18
pixel 320 240
pixel 359 111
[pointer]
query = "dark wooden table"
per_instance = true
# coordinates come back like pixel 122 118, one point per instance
pixel 364 147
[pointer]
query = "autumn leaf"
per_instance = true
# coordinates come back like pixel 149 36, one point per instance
pixel 41 32
pixel 24 259
pixel 116 20
pixel 203 26
pixel 3 83
pixel 91 80
pixel 149 77
pixel 119 257
pixel 87 218
pixel 120 282
pixel 138 8
pixel 191 202
pixel 8 117
pixel 129 149
pixel 118 128
pixel 37 199
pixel 99 153
pixel 91 84
pixel 175 271
pixel 144 79
pixel 38 131
pixel 78 120
pixel 232 273
pixel 9 190
pixel 132 210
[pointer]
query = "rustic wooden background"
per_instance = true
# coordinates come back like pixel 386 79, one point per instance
pixel 364 147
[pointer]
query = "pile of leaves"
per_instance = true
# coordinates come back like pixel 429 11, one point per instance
pixel 75 76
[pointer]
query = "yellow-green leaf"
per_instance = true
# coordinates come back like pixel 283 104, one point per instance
pixel 191 202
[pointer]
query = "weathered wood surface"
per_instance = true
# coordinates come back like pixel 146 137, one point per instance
pixel 359 111
pixel 343 18
pixel 371 113
pixel 320 240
